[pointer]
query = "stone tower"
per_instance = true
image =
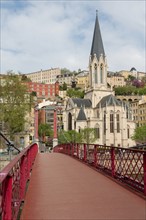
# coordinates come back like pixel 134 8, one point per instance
pixel 97 68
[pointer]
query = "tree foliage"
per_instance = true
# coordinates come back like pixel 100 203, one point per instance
pixel 140 134
pixel 63 87
pixel 130 90
pixel 75 93
pixel 45 130
pixel 86 135
pixel 69 137
pixel 67 71
pixel 15 103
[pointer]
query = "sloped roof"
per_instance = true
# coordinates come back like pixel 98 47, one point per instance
pixel 82 102
pixel 97 44
pixel 81 115
pixel 109 100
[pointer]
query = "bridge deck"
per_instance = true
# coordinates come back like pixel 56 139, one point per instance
pixel 63 188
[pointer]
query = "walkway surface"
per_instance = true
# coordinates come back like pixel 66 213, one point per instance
pixel 64 188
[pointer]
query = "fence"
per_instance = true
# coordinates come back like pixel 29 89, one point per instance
pixel 126 165
pixel 13 181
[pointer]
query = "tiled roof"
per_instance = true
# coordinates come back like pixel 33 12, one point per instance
pixel 81 115
pixel 109 100
pixel 82 102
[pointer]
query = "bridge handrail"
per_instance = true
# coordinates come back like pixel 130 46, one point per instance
pixel 126 165
pixel 13 182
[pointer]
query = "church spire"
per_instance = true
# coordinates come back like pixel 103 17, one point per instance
pixel 97 44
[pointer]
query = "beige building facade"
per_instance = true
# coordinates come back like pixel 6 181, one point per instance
pixel 44 76
pixel 139 111
pixel 115 81
pixel 83 79
pixel 132 72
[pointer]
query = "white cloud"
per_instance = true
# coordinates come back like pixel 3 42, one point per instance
pixel 45 34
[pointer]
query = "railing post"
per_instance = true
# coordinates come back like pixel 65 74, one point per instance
pixel 68 145
pixel 113 161
pixel 7 199
pixel 72 150
pixel 95 155
pixel 144 168
pixel 85 153
pixel 65 148
pixel 77 150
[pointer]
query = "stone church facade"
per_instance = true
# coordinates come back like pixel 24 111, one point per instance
pixel 100 109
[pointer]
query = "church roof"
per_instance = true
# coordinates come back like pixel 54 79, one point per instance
pixel 82 102
pixel 97 44
pixel 81 115
pixel 109 100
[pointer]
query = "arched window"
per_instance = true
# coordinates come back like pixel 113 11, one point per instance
pixel 128 132
pixel 95 72
pixel 101 73
pixel 111 122
pixel 97 131
pixel 98 113
pixel 118 122
pixel 69 121
pixel 104 123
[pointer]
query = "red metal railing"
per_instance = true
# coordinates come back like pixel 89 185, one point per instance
pixel 13 181
pixel 123 164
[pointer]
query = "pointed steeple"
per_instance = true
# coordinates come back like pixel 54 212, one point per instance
pixel 97 44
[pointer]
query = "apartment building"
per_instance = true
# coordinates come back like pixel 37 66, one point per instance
pixel 139 111
pixel 132 72
pixel 65 78
pixel 43 90
pixel 44 76
pixel 142 113
pixel 83 79
pixel 116 80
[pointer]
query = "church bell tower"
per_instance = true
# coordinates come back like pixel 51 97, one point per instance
pixel 97 68
pixel 97 60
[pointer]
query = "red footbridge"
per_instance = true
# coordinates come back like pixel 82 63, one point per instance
pixel 75 181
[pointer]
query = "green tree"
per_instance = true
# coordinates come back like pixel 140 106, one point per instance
pixel 69 137
pixel 88 135
pixel 65 70
pixel 15 103
pixel 140 134
pixel 45 130
pixel 64 86
pixel 75 93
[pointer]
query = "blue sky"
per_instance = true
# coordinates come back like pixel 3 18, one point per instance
pixel 39 35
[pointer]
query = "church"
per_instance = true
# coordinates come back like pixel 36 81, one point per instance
pixel 100 109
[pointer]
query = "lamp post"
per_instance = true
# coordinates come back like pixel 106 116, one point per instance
pixel 55 139
pixel 36 123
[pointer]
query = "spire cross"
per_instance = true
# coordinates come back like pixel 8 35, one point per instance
pixel 96 12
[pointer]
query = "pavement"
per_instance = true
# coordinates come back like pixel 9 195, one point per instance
pixel 63 188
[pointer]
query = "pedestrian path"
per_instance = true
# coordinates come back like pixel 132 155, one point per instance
pixel 63 188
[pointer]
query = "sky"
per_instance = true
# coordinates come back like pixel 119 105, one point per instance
pixel 40 34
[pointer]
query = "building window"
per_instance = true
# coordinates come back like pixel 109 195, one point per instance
pixel 104 123
pixel 128 132
pixel 95 72
pixel 111 123
pixel 97 132
pixel 118 123
pixel 101 73
pixel 98 114
pixel 69 121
